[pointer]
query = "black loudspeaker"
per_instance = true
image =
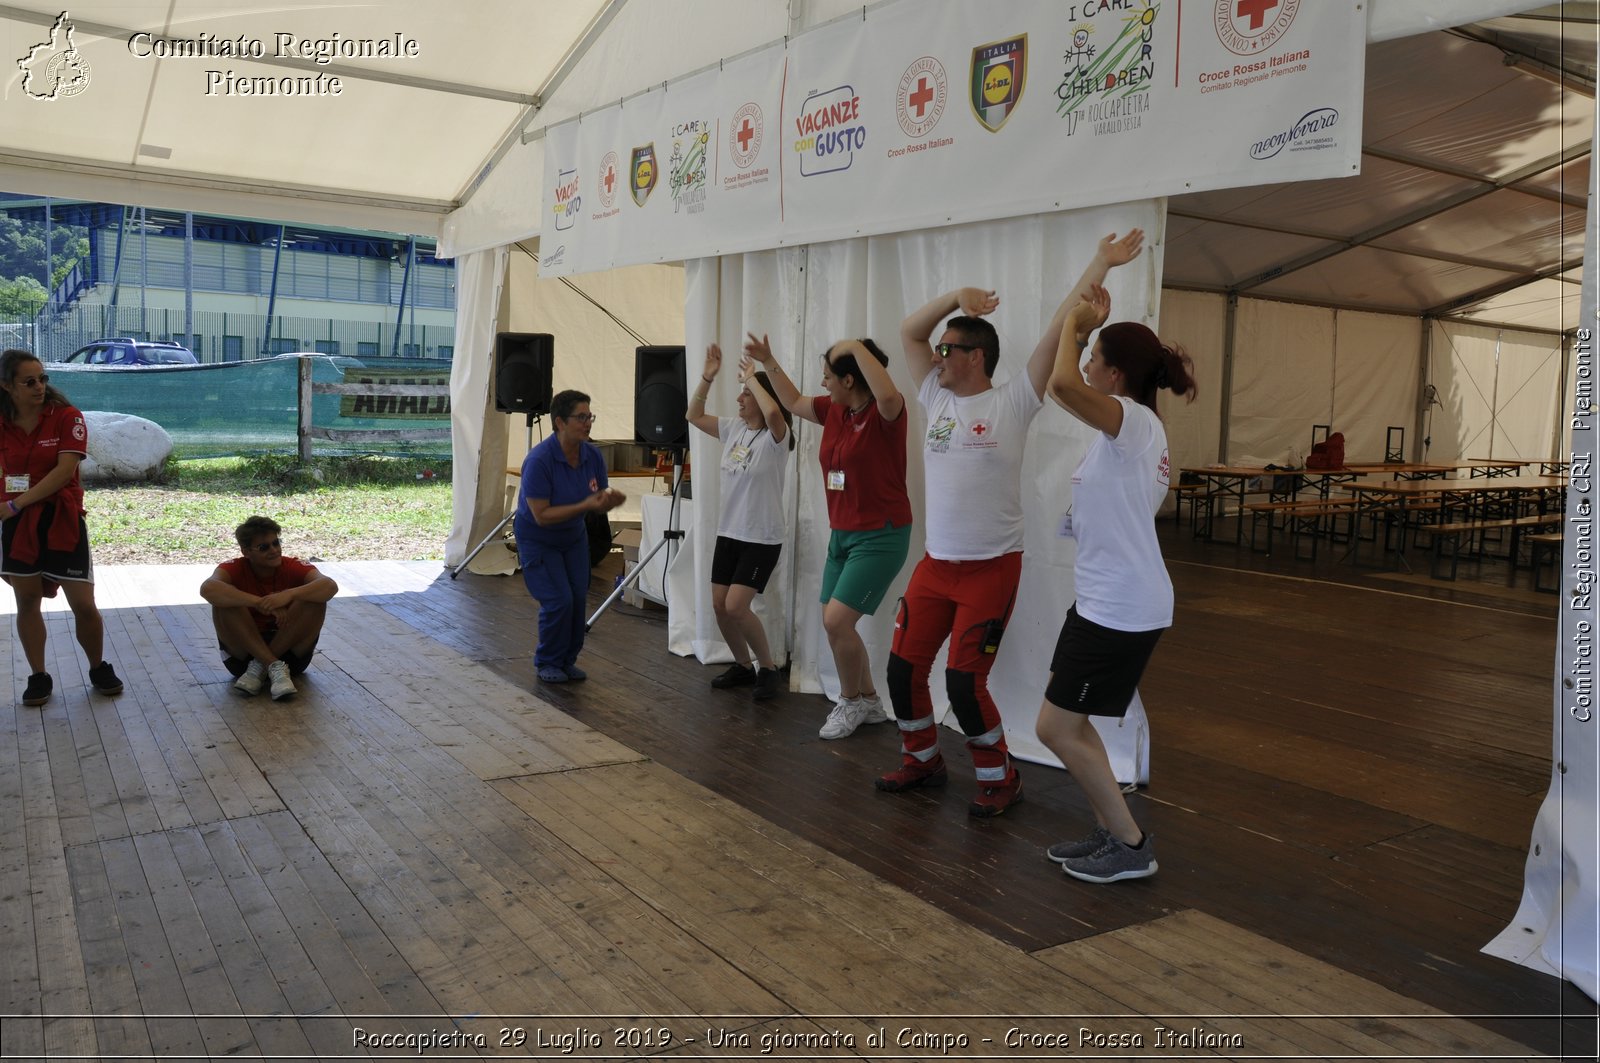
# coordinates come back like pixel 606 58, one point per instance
pixel 522 363
pixel 660 396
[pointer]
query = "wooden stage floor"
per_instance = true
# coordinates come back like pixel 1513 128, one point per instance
pixel 423 848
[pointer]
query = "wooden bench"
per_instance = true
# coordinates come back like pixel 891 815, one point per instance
pixel 1545 547
pixel 1453 533
pixel 1304 521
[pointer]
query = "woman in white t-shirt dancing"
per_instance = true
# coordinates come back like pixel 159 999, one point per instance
pixel 1124 596
pixel 755 452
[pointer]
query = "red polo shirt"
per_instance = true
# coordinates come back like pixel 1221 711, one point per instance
pixel 61 431
pixel 291 573
pixel 871 452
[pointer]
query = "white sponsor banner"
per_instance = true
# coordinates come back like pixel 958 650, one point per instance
pixel 935 112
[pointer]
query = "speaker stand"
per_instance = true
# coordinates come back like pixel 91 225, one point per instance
pixel 670 534
pixel 499 529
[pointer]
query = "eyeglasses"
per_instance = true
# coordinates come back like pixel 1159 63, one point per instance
pixel 42 379
pixel 271 544
pixel 943 350
pixel 586 418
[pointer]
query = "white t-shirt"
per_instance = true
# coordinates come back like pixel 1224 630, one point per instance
pixel 753 464
pixel 972 458
pixel 1122 582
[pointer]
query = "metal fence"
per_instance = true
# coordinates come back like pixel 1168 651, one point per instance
pixel 225 337
pixel 255 406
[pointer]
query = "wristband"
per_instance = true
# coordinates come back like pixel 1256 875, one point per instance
pixel 707 380
pixel 13 505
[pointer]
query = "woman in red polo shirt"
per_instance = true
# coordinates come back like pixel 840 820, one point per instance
pixel 44 542
pixel 863 455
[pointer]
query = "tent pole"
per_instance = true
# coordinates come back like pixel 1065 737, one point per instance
pixel 1419 438
pixel 1229 322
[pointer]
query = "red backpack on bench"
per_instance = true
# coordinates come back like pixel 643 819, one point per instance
pixel 1328 454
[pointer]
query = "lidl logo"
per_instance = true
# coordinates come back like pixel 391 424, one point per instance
pixel 642 172
pixel 999 73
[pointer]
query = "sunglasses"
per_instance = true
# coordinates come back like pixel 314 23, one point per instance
pixel 42 379
pixel 944 350
pixel 271 544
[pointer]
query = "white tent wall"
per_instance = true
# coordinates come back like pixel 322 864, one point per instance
pixel 805 299
pixel 1197 322
pixel 1497 392
pixel 480 307
pixel 1376 365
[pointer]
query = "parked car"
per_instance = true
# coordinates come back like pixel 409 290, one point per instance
pixel 124 352
pixel 340 361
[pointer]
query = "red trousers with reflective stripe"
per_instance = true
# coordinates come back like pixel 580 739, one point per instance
pixel 955 600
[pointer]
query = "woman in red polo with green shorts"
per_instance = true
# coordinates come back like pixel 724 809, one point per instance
pixel 863 457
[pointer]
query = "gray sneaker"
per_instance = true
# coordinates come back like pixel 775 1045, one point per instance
pixel 847 715
pixel 1061 852
pixel 252 680
pixel 875 711
pixel 1114 861
pixel 282 682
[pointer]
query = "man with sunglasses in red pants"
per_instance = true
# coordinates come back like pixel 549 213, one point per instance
pixel 268 610
pixel 965 587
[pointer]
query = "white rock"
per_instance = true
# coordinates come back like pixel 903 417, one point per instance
pixel 124 447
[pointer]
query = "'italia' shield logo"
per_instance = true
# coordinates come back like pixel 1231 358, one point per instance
pixel 999 71
pixel 642 172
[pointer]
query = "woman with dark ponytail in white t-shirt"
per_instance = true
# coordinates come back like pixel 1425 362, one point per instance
pixel 755 452
pixel 1124 596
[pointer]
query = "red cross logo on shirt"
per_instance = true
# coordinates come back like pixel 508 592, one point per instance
pixel 980 428
pixel 1255 11
pixel 922 96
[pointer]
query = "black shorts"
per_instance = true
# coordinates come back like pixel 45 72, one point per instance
pixel 60 565
pixel 296 663
pixel 735 561
pixel 1096 669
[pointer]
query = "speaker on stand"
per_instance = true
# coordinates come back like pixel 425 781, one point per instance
pixel 523 362
pixel 661 420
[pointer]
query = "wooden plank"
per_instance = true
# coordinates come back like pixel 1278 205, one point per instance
pixel 20 989
pixel 120 1027
pixel 241 968
pixel 194 958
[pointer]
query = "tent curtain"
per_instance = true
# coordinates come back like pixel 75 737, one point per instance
pixel 1497 393
pixel 480 309
pixel 807 298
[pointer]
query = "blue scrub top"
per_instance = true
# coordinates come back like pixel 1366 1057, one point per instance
pixel 546 474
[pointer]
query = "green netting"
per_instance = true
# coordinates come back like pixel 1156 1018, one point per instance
pixel 252 407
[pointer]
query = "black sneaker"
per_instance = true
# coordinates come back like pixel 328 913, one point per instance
pixel 737 675
pixel 104 679
pixel 39 687
pixel 768 683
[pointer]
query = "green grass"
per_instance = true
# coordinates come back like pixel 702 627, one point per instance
pixel 333 509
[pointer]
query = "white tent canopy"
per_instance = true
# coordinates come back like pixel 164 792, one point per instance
pixel 1469 207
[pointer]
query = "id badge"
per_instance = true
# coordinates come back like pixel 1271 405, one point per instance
pixel 1066 526
pixel 17 483
pixel 739 456
pixel 836 479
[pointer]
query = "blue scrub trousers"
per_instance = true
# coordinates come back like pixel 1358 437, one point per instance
pixel 558 578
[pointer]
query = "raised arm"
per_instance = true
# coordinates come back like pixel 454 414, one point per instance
pixel 770 411
pixel 891 404
pixel 760 351
pixel 697 415
pixel 1110 253
pixel 1067 384
pixel 916 330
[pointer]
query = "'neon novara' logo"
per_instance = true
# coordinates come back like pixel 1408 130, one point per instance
pixel 1302 135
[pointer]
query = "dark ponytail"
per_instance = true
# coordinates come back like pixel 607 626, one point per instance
pixel 1147 365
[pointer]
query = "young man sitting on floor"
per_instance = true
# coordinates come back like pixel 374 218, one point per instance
pixel 268 610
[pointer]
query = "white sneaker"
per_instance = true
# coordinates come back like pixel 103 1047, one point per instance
pixel 847 715
pixel 252 680
pixel 282 684
pixel 877 711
